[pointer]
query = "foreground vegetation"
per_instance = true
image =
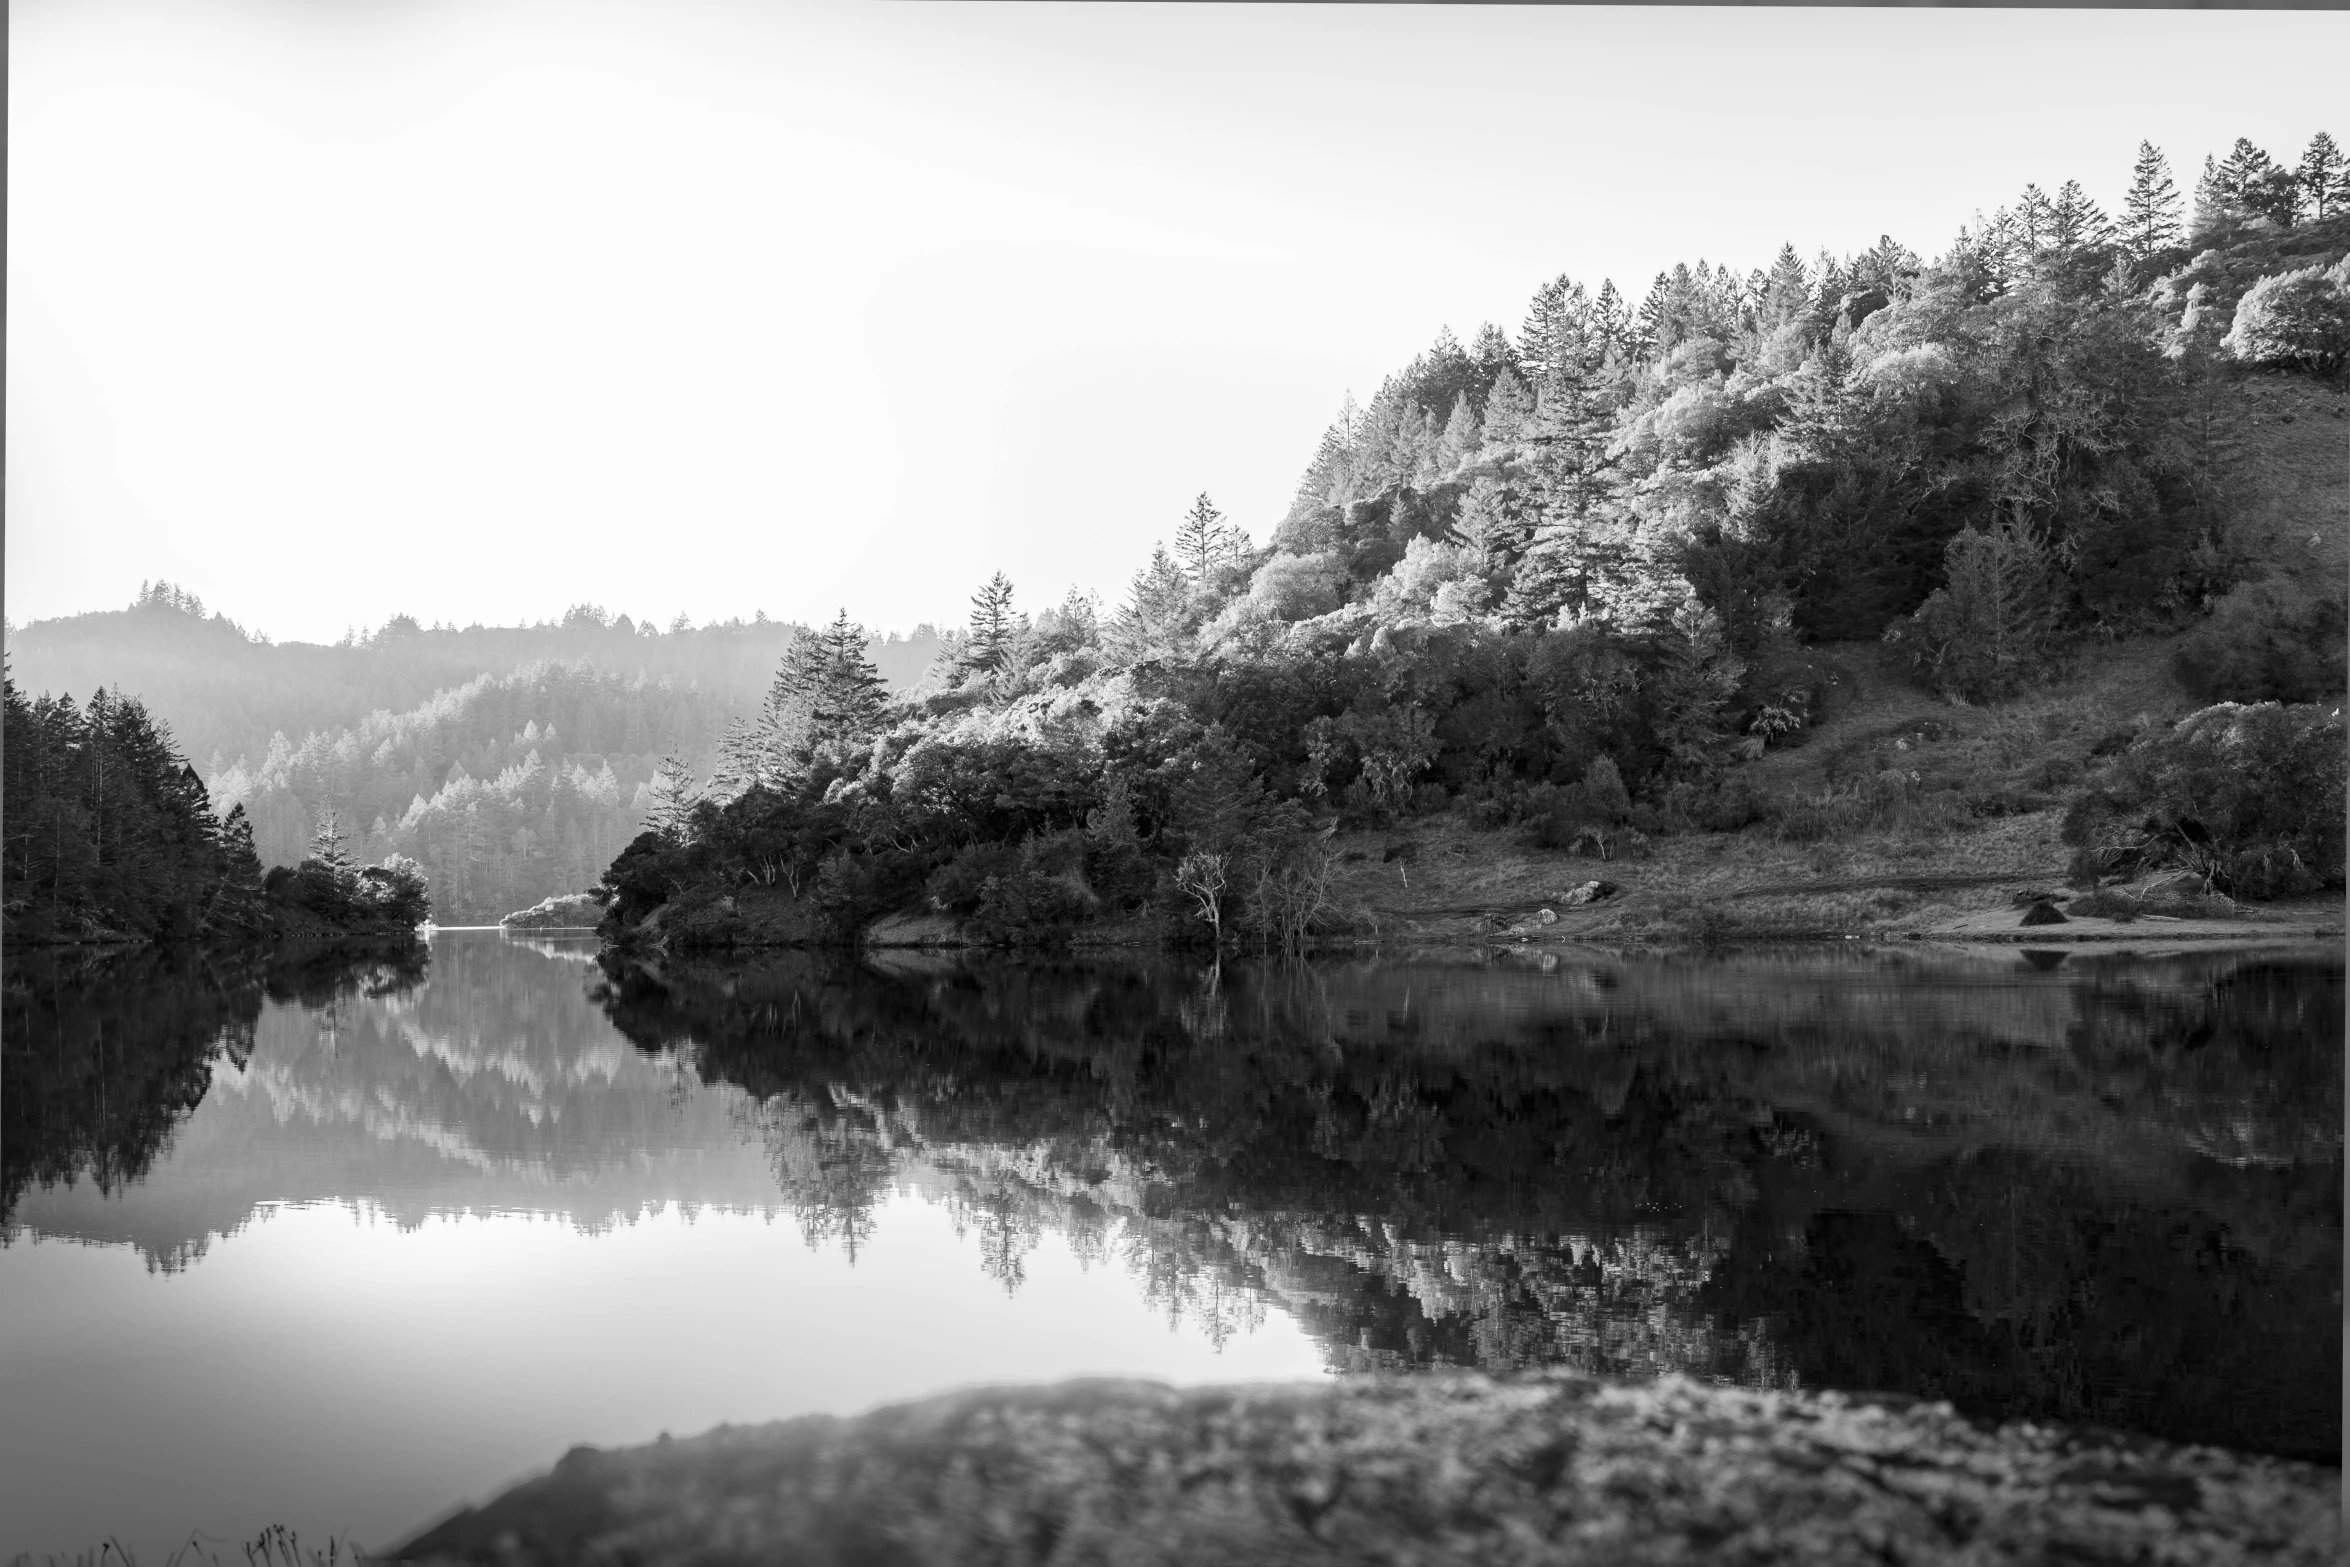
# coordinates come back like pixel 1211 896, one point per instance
pixel 1586 588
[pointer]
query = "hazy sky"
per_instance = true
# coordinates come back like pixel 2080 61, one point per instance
pixel 474 309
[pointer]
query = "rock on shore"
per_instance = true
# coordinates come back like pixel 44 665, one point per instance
pixel 1425 1470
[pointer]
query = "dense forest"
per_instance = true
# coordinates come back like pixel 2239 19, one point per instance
pixel 1571 580
pixel 110 836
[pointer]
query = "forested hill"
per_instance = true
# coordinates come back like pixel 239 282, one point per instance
pixel 512 762
pixel 228 694
pixel 1580 580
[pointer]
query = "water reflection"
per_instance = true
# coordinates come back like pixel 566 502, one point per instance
pixel 2103 1188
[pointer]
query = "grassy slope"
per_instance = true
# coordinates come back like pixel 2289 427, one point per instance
pixel 2294 513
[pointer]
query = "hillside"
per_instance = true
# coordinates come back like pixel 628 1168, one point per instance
pixel 2023 565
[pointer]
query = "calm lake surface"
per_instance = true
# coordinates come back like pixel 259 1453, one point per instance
pixel 344 1249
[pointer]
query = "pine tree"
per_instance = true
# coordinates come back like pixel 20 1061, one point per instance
pixel 2211 212
pixel 2252 185
pixel 1611 324
pixel 2035 220
pixel 1507 408
pixel 2324 177
pixel 1491 353
pixel 2075 223
pixel 1651 329
pixel 1156 610
pixel 1203 541
pixel 845 692
pixel 2150 213
pixel 326 846
pixel 673 800
pixel 994 626
pixel 1459 440
pixel 1786 292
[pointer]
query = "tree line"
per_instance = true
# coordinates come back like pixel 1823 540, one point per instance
pixel 111 836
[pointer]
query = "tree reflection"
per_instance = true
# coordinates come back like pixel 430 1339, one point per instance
pixel 2108 1191
pixel 107 1053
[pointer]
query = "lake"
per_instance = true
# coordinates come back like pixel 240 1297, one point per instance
pixel 346 1247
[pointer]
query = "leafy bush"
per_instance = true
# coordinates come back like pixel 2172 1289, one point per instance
pixel 2249 798
pixel 2272 640
pixel 2299 318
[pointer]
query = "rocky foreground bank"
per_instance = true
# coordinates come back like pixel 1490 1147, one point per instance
pixel 1423 1470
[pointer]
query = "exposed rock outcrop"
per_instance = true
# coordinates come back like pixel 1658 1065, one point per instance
pixel 1434 1469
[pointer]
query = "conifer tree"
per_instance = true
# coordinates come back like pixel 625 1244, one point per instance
pixel 1611 324
pixel 1459 440
pixel 326 846
pixel 673 800
pixel 2324 177
pixel 2211 210
pixel 1506 409
pixel 2252 185
pixel 2150 213
pixel 1786 292
pixel 1490 352
pixel 2035 220
pixel 1203 541
pixel 1156 609
pixel 1651 328
pixel 994 626
pixel 846 692
pixel 2075 223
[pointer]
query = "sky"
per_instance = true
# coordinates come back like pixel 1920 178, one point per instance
pixel 328 310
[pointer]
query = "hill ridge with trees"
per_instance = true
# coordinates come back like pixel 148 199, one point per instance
pixel 1575 582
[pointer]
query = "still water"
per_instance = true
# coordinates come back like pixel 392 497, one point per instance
pixel 344 1249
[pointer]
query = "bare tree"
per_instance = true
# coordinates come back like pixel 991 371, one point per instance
pixel 1202 875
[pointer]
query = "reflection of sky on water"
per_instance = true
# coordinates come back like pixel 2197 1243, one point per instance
pixel 334 1371
pixel 417 1246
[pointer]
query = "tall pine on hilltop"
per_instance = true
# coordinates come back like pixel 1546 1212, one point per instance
pixel 2150 212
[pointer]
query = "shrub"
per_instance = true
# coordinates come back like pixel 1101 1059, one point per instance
pixel 2250 798
pixel 2272 640
pixel 2300 319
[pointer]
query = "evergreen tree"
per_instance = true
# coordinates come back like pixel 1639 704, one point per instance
pixel 1507 409
pixel 2076 223
pixel 2324 178
pixel 1156 613
pixel 848 692
pixel 2035 220
pixel 1460 438
pixel 2252 185
pixel 1651 328
pixel 672 806
pixel 2150 213
pixel 1491 353
pixel 1611 324
pixel 994 626
pixel 327 846
pixel 1786 292
pixel 1203 541
pixel 2211 212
